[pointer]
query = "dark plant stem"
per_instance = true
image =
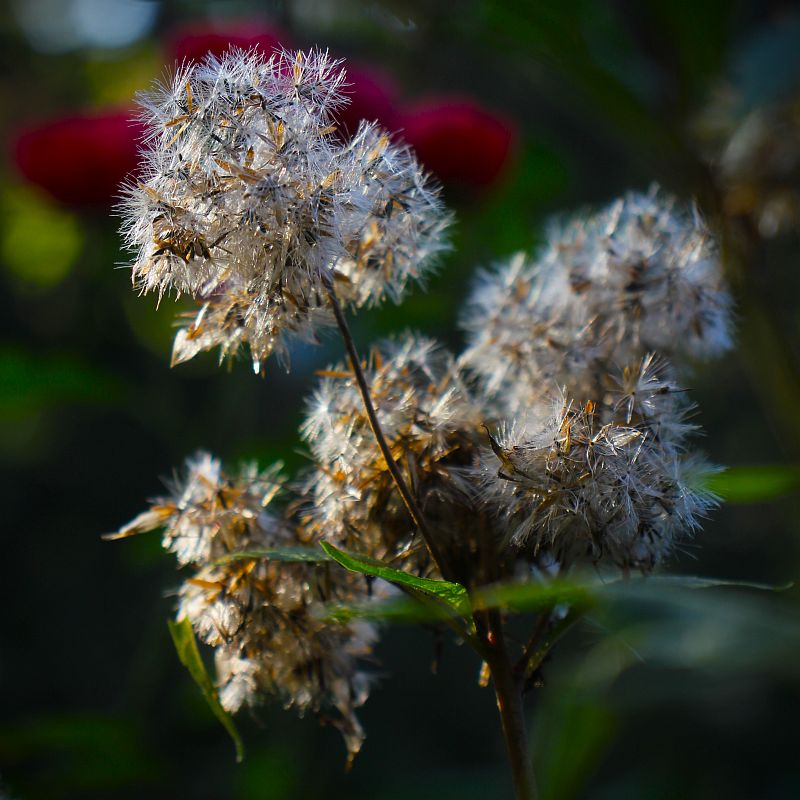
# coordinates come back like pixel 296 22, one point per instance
pixel 408 498
pixel 508 688
pixel 542 623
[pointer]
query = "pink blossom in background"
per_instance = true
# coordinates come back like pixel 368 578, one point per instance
pixel 195 41
pixel 461 142
pixel 373 97
pixel 80 159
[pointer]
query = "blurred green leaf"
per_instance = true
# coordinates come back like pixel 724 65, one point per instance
pixel 186 646
pixel 29 383
pixel 695 36
pixel 452 594
pixel 562 38
pixel 692 630
pixel 755 484
pixel 697 582
pixel 77 754
pixel 153 323
pixel 589 591
pixel 273 773
pixel 403 609
pixel 508 221
pixel 310 555
pixel 581 593
pixel 40 241
pixel 575 730
pixel 115 82
pixel 534 596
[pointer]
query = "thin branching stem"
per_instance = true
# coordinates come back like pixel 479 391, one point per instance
pixel 521 667
pixel 508 690
pixel 408 498
pixel 551 634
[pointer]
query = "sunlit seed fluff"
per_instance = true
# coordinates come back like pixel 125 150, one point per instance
pixel 267 622
pixel 250 202
pixel 641 275
pixel 266 618
pixel 207 511
pixel 646 394
pixel 433 429
pixel 608 483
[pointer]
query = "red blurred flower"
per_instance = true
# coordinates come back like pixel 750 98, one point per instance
pixel 79 159
pixel 459 141
pixel 372 97
pixel 194 42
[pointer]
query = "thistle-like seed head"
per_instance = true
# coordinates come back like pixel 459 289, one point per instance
pixel 251 203
pixel 642 275
pixel 266 618
pixel 606 481
pixel 433 430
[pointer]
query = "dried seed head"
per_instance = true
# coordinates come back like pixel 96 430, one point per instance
pixel 250 202
pixel 207 511
pixel 432 428
pixel 606 481
pixel 266 618
pixel 642 275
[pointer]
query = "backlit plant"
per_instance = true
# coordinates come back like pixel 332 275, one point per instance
pixel 440 485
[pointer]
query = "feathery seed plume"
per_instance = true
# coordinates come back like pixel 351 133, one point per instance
pixel 642 275
pixel 266 618
pixel 603 482
pixel 252 204
pixel 433 430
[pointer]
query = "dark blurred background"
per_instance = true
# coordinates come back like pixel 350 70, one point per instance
pixel 523 109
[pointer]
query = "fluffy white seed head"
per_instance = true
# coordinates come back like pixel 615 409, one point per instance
pixel 266 618
pixel 602 482
pixel 641 275
pixel 432 428
pixel 204 513
pixel 251 203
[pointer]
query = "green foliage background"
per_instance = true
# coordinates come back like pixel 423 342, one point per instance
pixel 653 698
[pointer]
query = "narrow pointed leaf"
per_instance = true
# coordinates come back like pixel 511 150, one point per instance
pixel 403 609
pixel 698 582
pixel 186 646
pixel 453 594
pixel 590 591
pixel 310 555
pixel 578 593
pixel 534 596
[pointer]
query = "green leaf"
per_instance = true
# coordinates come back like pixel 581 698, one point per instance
pixel 575 730
pixel 36 259
pixel 697 582
pixel 452 594
pixel 690 629
pixel 755 484
pixel 186 646
pixel 580 594
pixel 402 609
pixel 30 382
pixel 309 555
pixel 534 596
pixel 591 591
